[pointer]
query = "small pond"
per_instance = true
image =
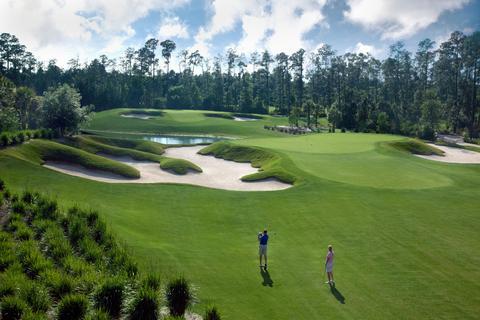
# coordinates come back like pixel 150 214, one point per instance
pixel 173 139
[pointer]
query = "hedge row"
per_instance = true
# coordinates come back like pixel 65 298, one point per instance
pixel 17 137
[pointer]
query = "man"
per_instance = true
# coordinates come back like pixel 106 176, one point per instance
pixel 329 265
pixel 262 250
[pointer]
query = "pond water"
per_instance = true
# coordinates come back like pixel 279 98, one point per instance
pixel 172 139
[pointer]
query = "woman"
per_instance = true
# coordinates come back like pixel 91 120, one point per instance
pixel 329 265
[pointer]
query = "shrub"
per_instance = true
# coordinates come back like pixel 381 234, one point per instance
pixel 36 296
pixel 13 308
pixel 212 314
pixel 152 281
pixel 427 133
pixel 72 307
pixel 145 305
pixel 10 281
pixel 20 137
pixel 178 296
pixel 48 209
pixel 58 284
pixel 109 296
pixel 77 230
pixel 98 315
pixel 90 250
pixel 55 243
pixel 19 207
pixel 5 139
pixel 31 259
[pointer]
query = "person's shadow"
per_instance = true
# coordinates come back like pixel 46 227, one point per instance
pixel 337 294
pixel 267 280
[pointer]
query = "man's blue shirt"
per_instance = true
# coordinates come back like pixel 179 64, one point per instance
pixel 264 239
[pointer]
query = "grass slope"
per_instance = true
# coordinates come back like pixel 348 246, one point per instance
pixel 92 144
pixel 416 147
pixel 144 112
pixel 403 228
pixel 39 151
pixel 267 161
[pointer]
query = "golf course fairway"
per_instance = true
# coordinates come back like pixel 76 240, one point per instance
pixel 405 230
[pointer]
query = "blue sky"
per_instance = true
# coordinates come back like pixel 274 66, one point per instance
pixel 64 29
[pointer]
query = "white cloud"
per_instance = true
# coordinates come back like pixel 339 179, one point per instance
pixel 366 48
pixel 396 19
pixel 173 28
pixel 63 29
pixel 275 25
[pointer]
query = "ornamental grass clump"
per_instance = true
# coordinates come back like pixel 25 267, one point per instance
pixel 178 296
pixel 145 305
pixel 72 307
pixel 109 296
pixel 13 308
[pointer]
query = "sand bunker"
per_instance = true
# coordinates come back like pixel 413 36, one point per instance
pixel 217 173
pixel 454 155
pixel 136 116
pixel 244 119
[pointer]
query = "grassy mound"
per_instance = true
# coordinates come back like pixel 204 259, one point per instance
pixel 140 145
pixel 89 144
pixel 416 147
pixel 92 144
pixel 142 112
pixel 43 150
pixel 268 162
pixel 178 166
pixel 219 115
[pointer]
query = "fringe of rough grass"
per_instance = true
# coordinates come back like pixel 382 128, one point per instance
pixel 416 147
pixel 151 113
pixel 267 161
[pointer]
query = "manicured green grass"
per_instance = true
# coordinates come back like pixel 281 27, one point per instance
pixel 39 151
pixel 404 229
pixel 185 122
pixel 144 112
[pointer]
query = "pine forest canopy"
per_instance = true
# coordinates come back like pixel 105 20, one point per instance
pixel 408 93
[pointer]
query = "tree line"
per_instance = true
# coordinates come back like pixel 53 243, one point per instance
pixel 420 93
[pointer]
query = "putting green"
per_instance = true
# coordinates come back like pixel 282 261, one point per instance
pixel 405 230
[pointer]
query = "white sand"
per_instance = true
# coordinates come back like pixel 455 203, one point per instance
pixel 217 173
pixel 454 155
pixel 244 119
pixel 136 116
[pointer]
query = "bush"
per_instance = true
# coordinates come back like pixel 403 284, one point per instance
pixel 152 281
pixel 13 308
pixel 427 133
pixel 5 139
pixel 58 284
pixel 55 244
pixel 145 305
pixel 31 259
pixel 212 314
pixel 99 315
pixel 20 137
pixel 48 209
pixel 72 307
pixel 109 296
pixel 36 296
pixel 178 296
pixel 90 250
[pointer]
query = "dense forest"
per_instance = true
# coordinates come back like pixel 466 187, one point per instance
pixel 434 89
